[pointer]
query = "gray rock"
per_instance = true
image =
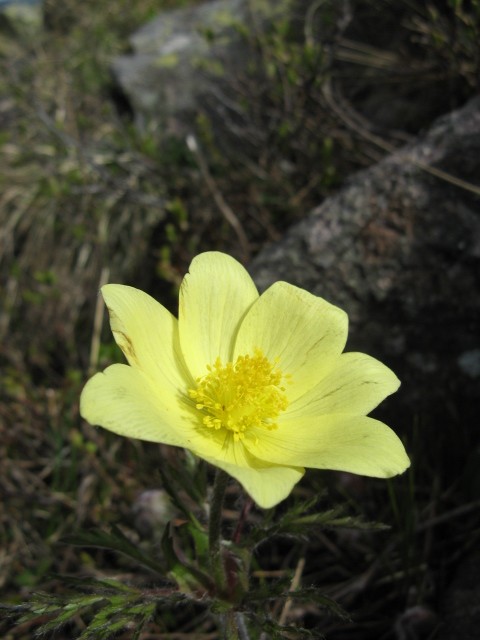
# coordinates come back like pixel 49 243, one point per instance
pixel 184 55
pixel 23 17
pixel 399 249
pixel 152 510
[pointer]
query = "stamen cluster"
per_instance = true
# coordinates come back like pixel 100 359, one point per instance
pixel 241 394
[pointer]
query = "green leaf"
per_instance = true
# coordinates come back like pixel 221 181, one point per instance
pixel 191 478
pixel 189 578
pixel 98 585
pixel 276 631
pixel 275 592
pixel 200 539
pixel 70 610
pixel 114 541
pixel 116 616
pixel 115 608
pixel 298 523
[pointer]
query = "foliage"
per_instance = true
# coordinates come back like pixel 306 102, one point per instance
pixel 107 606
pixel 111 607
pixel 450 36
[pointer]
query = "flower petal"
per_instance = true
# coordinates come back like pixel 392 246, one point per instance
pixel 305 333
pixel 267 484
pixel 214 297
pixel 148 336
pixel 124 400
pixel 355 386
pixel 359 445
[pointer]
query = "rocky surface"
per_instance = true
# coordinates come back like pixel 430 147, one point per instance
pixel 182 57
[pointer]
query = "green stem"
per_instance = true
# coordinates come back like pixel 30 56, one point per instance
pixel 215 527
pixel 231 628
pixel 233 623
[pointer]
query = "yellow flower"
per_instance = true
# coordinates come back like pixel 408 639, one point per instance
pixel 255 385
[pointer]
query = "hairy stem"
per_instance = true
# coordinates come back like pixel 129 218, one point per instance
pixel 215 527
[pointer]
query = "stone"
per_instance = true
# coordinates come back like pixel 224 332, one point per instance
pixel 183 56
pixel 23 17
pixel 152 510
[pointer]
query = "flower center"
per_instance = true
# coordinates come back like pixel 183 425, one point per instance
pixel 241 394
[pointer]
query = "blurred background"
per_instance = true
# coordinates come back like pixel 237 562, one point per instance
pixel 134 135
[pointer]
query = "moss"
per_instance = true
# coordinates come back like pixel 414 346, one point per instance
pixel 167 61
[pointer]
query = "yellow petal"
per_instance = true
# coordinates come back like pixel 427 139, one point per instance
pixel 124 400
pixel 344 443
pixel 306 333
pixel 355 386
pixel 214 297
pixel 266 484
pixel 148 335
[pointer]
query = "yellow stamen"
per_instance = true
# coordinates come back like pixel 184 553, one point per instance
pixel 241 394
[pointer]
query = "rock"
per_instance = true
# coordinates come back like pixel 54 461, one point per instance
pixel 152 510
pixel 399 249
pixel 184 55
pixel 23 17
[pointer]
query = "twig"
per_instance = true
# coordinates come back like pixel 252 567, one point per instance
pixel 215 528
pixel 97 323
pixel 223 206
pixel 297 576
pixel 449 515
pixel 333 103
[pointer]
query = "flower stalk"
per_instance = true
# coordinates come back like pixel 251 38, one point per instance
pixel 215 528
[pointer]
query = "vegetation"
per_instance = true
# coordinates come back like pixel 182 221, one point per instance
pixel 85 198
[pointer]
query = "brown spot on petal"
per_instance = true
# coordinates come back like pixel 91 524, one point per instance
pixel 125 344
